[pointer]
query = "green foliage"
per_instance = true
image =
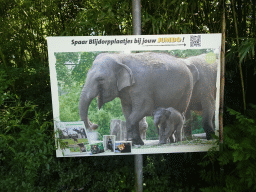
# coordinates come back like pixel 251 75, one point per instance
pixel 104 18
pixel 196 123
pixel 152 133
pixel 28 162
pixel 85 62
pixel 104 123
pixel 26 146
pixel 72 67
pixel 102 117
pixel 197 131
pixel 238 155
pixel 170 172
pixel 69 110
pixel 176 17
pixel 247 49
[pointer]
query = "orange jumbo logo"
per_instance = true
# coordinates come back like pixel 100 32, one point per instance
pixel 170 39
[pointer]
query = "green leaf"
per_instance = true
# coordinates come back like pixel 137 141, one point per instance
pixel 247 49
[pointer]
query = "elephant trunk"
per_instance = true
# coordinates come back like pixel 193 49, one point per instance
pixel 100 101
pixel 84 103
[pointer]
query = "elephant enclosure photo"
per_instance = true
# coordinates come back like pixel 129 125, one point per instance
pixel 147 81
pixel 152 101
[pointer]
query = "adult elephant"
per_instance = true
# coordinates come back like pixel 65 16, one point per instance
pixel 143 82
pixel 204 94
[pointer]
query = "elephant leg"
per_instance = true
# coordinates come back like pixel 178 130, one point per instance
pixel 172 138
pixel 187 129
pixel 185 108
pixel 132 123
pixel 133 133
pixel 173 134
pixel 184 102
pixel 178 134
pixel 132 126
pixel 207 121
pixel 162 138
pixel 127 109
pixel 143 128
pixel 170 131
pixel 143 135
pixel 166 133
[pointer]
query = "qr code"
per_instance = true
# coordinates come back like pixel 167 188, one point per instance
pixel 195 40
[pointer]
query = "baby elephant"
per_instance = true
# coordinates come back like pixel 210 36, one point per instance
pixel 169 120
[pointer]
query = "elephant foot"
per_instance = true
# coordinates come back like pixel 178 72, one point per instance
pixel 137 141
pixel 135 138
pixel 161 142
pixel 209 135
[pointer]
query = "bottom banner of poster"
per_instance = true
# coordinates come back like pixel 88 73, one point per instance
pixel 74 140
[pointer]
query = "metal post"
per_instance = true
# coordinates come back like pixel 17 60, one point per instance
pixel 222 83
pixel 138 159
pixel 222 79
pixel 136 17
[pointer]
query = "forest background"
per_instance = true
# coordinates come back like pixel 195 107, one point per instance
pixel 27 150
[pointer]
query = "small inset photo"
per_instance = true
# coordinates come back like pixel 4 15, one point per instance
pixel 81 147
pixel 109 143
pixel 123 147
pixel 97 148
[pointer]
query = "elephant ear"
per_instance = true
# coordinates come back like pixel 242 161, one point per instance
pixel 194 72
pixel 124 77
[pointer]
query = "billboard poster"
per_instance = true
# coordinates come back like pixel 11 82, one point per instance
pixel 139 94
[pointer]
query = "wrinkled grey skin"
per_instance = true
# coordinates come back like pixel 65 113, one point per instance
pixel 143 126
pixel 142 81
pixel 118 128
pixel 203 95
pixel 168 120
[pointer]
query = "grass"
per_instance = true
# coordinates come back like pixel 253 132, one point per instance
pixel 74 149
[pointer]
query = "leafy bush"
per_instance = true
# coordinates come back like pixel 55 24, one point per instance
pixel 195 122
pixel 152 130
pixel 197 131
pixel 26 147
pixel 172 172
pixel 28 161
pixel 69 110
pixel 237 159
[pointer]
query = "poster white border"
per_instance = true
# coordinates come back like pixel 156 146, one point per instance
pixel 127 44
